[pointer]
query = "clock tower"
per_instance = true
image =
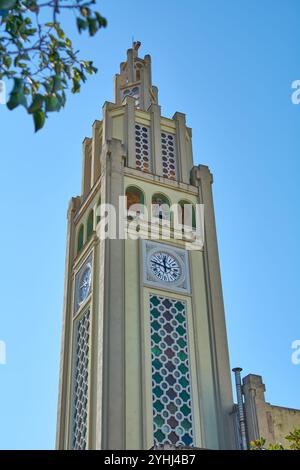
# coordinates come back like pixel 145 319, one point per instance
pixel 144 358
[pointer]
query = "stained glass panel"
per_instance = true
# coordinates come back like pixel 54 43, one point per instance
pixel 143 148
pixel 168 147
pixel 80 382
pixel 171 388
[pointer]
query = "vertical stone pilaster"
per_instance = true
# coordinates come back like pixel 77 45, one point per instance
pixel 62 440
pixel 117 92
pixel 218 337
pixel 146 82
pixel 107 124
pixel 189 153
pixel 155 113
pixel 130 65
pixel 129 122
pixel 112 311
pixel 86 167
pixel 106 132
pixel 96 152
pixel 182 170
pixel 253 390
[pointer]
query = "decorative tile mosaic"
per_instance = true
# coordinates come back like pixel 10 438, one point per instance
pixel 80 382
pixel 168 147
pixel 143 148
pixel 171 387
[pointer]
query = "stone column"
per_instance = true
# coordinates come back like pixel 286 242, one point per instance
pixel 62 438
pixel 253 390
pixel 130 65
pixel 129 123
pixel 86 167
pixel 202 177
pixel 96 152
pixel 156 139
pixel 184 163
pixel 117 91
pixel 107 124
pixel 111 311
pixel 146 83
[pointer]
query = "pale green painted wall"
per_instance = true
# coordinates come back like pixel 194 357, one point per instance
pixel 137 324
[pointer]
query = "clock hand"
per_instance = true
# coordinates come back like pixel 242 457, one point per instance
pixel 159 264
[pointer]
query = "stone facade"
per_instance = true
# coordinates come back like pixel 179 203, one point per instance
pixel 263 419
pixel 126 381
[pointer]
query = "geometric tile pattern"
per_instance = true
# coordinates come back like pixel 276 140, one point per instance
pixel 168 155
pixel 80 383
pixel 143 158
pixel 171 388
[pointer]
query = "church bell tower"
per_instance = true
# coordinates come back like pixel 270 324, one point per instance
pixel 144 357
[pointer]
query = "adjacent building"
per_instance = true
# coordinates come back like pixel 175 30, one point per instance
pixel 262 419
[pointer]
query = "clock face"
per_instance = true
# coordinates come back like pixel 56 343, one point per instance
pixel 165 266
pixel 85 283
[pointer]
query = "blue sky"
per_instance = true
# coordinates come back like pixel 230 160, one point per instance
pixel 229 65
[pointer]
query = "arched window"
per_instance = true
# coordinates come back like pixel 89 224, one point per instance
pixel 187 215
pixel 135 200
pixel 160 206
pixel 90 224
pixel 80 238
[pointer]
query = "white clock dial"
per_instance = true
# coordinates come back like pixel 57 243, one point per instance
pixel 85 282
pixel 165 266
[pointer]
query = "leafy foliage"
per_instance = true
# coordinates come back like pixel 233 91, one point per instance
pixel 39 57
pixel 293 438
pixel 258 444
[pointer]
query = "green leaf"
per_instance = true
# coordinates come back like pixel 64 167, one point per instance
pixel 56 83
pixel 39 120
pixel 60 32
pixel 93 27
pixel 18 85
pixel 36 104
pixel 61 99
pixel 52 103
pixel 67 70
pixel 7 61
pixel 7 4
pixel 102 22
pixel 16 99
pixel 81 24
pixel 88 65
pixel 76 86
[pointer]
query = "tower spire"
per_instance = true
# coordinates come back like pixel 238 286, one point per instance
pixel 134 79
